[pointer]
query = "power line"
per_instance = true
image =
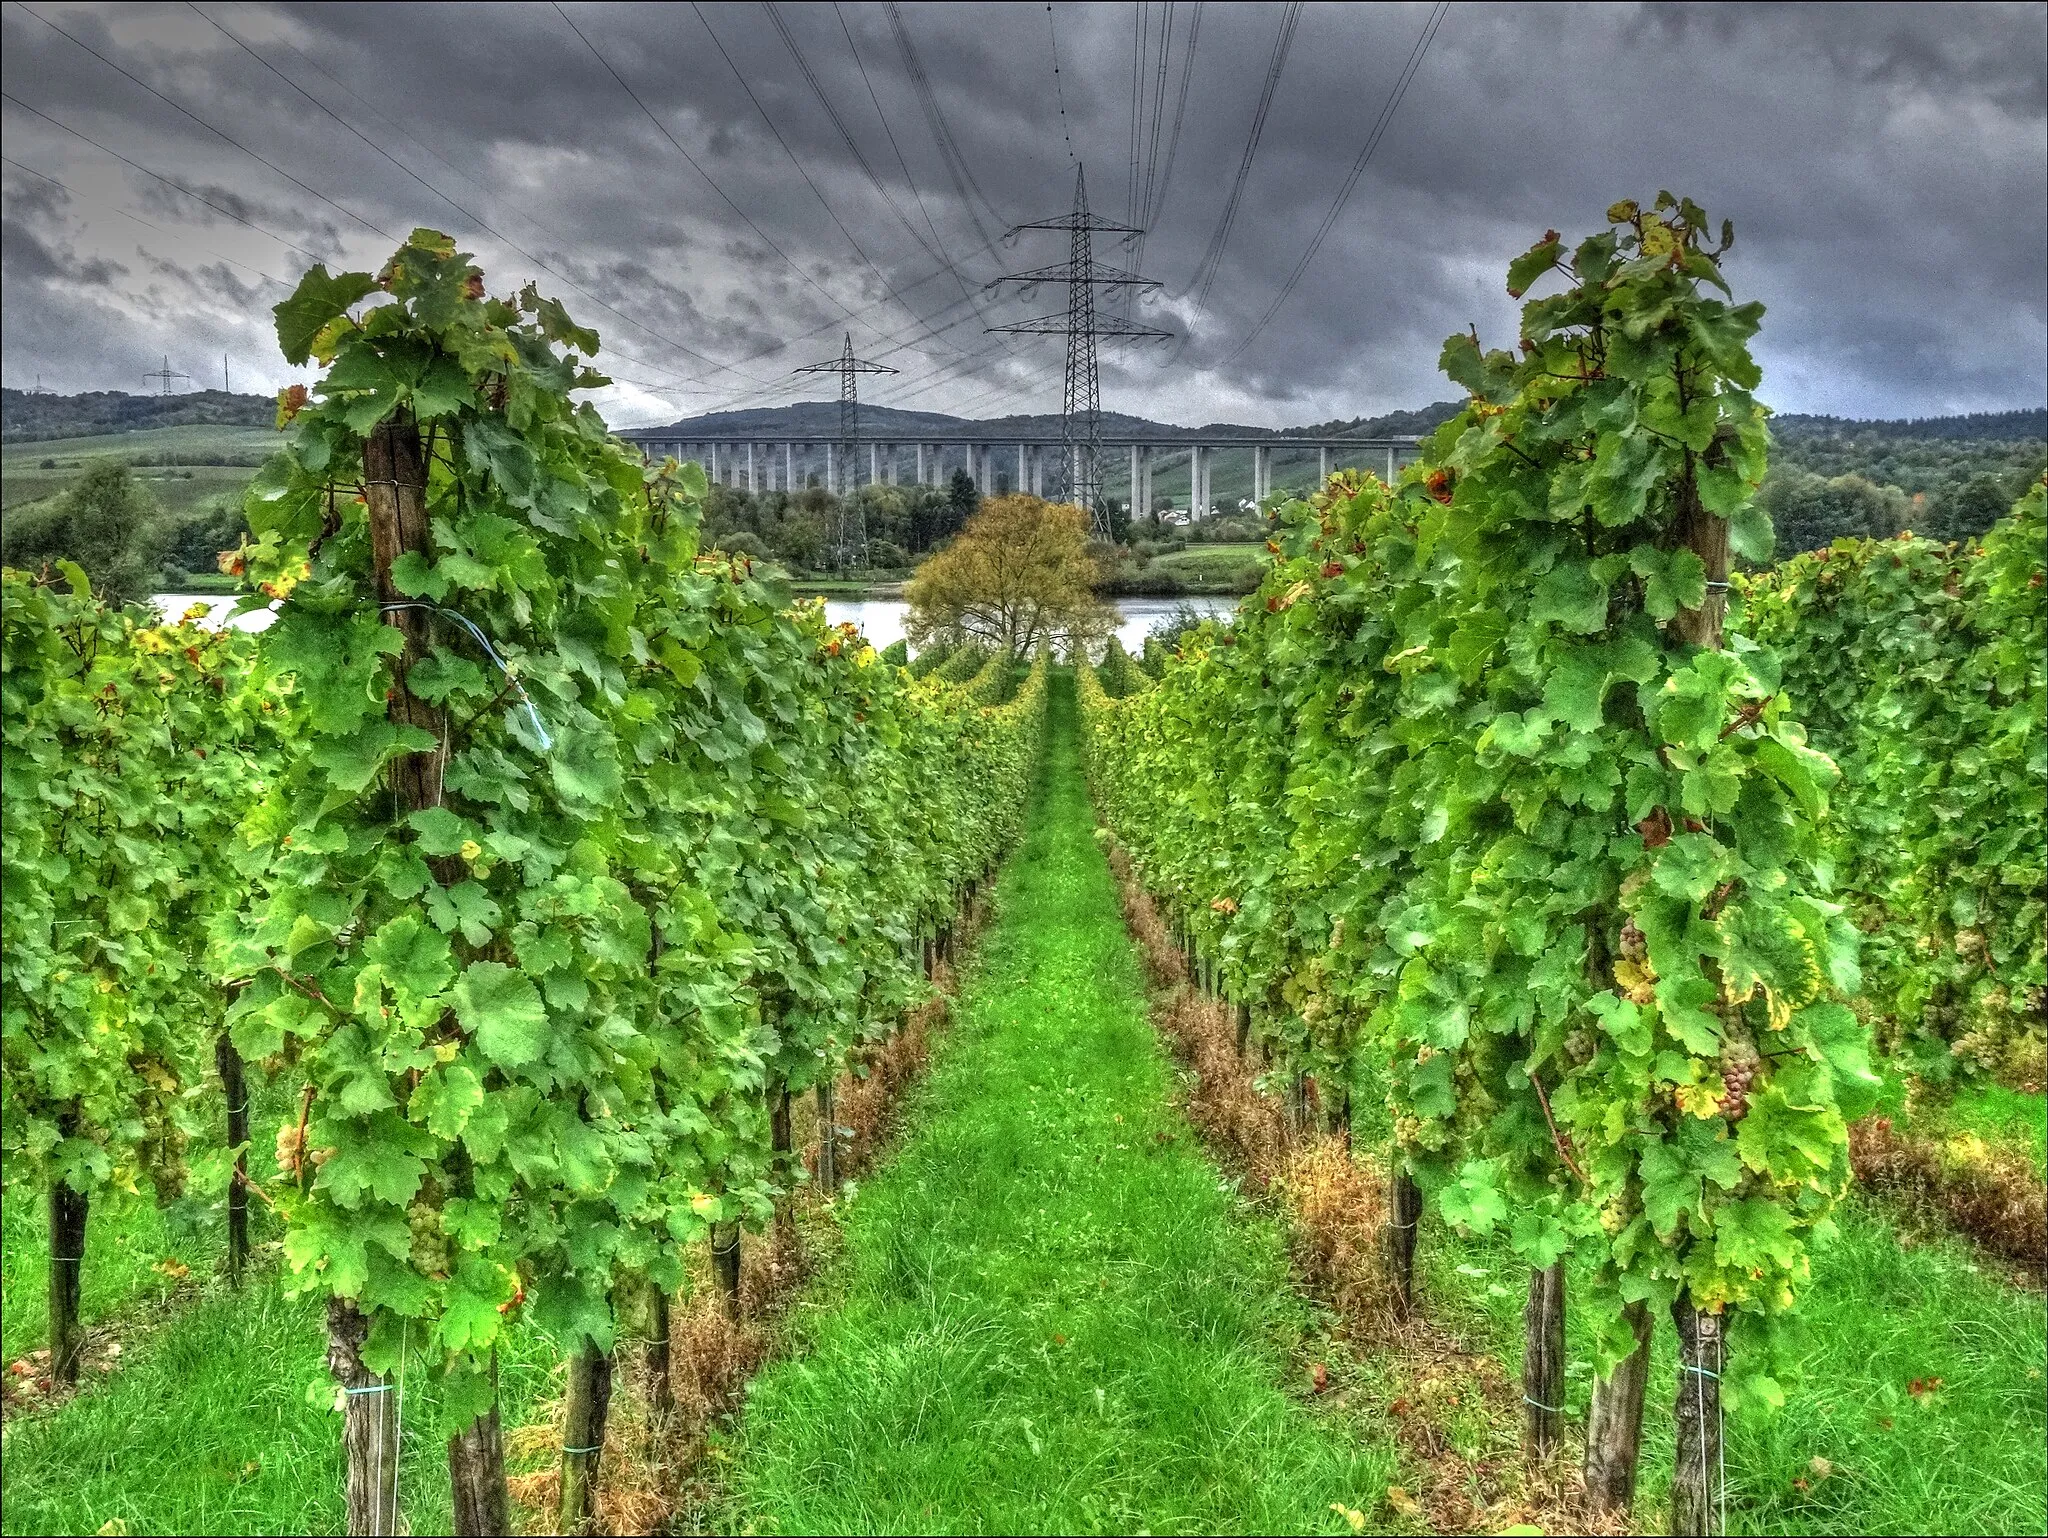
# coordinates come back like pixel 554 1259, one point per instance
pixel 674 144
pixel 957 169
pixel 111 208
pixel 845 134
pixel 176 186
pixel 1212 257
pixel 894 293
pixel 218 133
pixel 1372 142
pixel 1180 109
pixel 1144 143
pixel 765 387
pixel 794 159
pixel 1059 90
pixel 1155 201
pixel 474 218
pixel 924 213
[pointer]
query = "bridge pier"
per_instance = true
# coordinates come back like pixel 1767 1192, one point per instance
pixel 1262 474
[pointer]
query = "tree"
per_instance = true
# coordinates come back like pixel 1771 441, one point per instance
pixel 962 499
pixel 1019 576
pixel 106 522
pixel 1970 508
pixel 194 543
pixel 1809 512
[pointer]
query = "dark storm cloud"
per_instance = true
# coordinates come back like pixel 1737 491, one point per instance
pixel 1885 167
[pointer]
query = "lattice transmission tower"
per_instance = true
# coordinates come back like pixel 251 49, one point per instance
pixel 851 548
pixel 165 375
pixel 1080 474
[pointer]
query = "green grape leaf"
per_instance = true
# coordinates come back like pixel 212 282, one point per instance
pixel 503 1012
pixel 320 297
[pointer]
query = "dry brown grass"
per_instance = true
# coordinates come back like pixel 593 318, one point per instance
pixel 654 1465
pixel 1336 1213
pixel 1995 1196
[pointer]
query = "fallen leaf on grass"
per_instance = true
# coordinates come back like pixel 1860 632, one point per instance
pixel 1920 1388
pixel 1403 1503
pixel 1353 1517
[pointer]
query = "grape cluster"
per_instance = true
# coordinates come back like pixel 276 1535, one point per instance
pixel 429 1253
pixel 1739 1063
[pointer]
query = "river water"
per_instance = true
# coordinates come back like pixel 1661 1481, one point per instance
pixel 880 619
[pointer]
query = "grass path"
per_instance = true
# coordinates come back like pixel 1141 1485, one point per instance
pixel 1051 1313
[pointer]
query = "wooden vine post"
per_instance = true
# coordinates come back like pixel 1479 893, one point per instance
pixel 1696 1483
pixel 68 1210
pixel 782 1144
pixel 1543 1362
pixel 369 1424
pixel 1614 1424
pixel 590 1397
pixel 725 1265
pixel 394 491
pixel 828 1139
pixel 1404 1211
pixel 235 1091
pixel 661 1386
pixel 476 1471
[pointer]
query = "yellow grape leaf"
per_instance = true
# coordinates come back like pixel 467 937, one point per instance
pixel 1701 1100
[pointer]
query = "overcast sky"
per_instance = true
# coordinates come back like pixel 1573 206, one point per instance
pixel 1886 168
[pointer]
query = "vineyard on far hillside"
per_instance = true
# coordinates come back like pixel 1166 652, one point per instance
pixel 1487 807
pixel 531 859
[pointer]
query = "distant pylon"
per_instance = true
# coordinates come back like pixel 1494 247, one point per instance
pixel 1079 478
pixel 852 545
pixel 165 376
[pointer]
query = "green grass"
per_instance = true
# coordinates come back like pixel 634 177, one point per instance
pixel 2007 1119
pixel 1228 568
pixel 1051 1313
pixel 223 1424
pixel 126 1239
pixel 217 1419
pixel 129 1237
pixel 178 489
pixel 214 439
pixel 1971 1457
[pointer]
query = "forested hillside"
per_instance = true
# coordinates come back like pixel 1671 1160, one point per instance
pixel 31 416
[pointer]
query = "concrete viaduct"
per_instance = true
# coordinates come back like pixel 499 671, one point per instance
pixel 785 462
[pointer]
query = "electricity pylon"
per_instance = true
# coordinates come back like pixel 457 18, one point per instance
pixel 852 548
pixel 1080 474
pixel 164 376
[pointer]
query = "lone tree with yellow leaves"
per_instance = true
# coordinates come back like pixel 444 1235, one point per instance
pixel 1019 576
